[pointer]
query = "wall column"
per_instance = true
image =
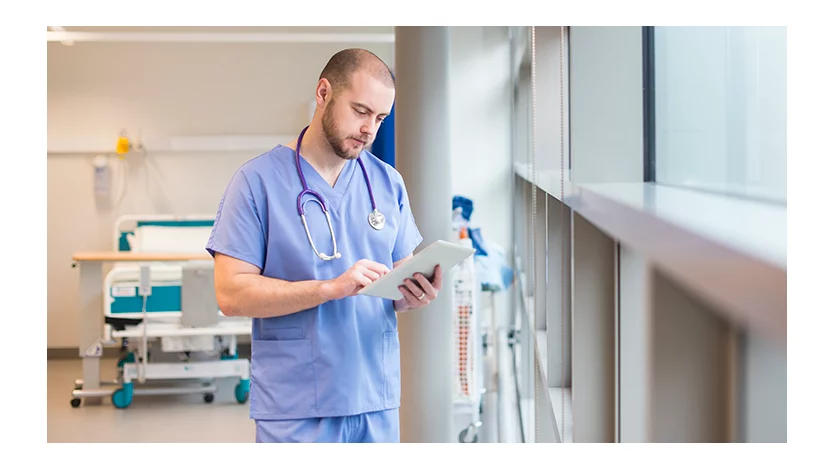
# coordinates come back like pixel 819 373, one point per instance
pixel 424 159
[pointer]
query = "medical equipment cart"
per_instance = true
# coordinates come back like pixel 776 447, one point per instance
pixel 468 353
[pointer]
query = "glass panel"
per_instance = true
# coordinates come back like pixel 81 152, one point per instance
pixel 721 101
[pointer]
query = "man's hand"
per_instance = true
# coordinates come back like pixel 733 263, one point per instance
pixel 354 279
pixel 419 291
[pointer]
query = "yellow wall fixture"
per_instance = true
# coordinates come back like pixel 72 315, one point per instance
pixel 122 145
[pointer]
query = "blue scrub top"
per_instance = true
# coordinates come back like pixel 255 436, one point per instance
pixel 343 357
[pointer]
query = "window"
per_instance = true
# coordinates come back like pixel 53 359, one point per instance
pixel 720 108
pixel 650 276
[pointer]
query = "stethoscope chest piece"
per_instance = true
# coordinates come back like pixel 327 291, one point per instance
pixel 376 219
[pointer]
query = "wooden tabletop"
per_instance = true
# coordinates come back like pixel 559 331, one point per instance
pixel 126 256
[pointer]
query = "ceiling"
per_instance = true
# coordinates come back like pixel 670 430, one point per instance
pixel 232 29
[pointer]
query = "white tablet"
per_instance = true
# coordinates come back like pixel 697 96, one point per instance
pixel 442 252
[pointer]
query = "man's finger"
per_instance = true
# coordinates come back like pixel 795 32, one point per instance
pixel 376 267
pixel 437 279
pixel 371 274
pixel 364 281
pixel 430 291
pixel 409 297
pixel 413 288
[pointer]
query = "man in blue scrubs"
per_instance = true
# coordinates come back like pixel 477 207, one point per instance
pixel 325 361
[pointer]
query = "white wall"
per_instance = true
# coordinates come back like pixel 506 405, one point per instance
pixel 96 89
pixel 481 133
pixel 480 111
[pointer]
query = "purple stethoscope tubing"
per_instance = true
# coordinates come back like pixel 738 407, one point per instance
pixel 320 201
pixel 316 195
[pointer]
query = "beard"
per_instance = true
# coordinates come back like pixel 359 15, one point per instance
pixel 331 135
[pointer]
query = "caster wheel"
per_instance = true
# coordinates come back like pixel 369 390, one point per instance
pixel 208 397
pixel 75 402
pixel 471 430
pixel 464 434
pixel 242 391
pixel 123 397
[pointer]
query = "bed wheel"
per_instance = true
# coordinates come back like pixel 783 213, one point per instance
pixel 123 397
pixel 208 397
pixel 242 391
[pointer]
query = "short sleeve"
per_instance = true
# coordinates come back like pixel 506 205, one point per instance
pixel 238 230
pixel 408 236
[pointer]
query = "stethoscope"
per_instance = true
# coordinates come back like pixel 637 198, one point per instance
pixel 375 218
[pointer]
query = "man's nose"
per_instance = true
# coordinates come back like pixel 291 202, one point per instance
pixel 368 129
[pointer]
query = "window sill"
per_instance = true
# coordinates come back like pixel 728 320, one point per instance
pixel 730 252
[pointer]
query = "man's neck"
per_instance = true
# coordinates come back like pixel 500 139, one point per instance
pixel 318 153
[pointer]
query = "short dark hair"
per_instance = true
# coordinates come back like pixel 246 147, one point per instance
pixel 344 63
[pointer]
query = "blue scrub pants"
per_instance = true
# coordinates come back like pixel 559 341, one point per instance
pixel 379 426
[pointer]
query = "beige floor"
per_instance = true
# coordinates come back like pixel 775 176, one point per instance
pixel 187 418
pixel 178 418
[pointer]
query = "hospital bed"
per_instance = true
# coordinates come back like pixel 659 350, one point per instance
pixel 157 304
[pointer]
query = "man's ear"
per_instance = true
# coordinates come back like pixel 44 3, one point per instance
pixel 324 91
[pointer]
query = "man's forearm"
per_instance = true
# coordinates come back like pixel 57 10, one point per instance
pixel 257 296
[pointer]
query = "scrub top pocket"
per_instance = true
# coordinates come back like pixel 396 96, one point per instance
pixel 282 379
